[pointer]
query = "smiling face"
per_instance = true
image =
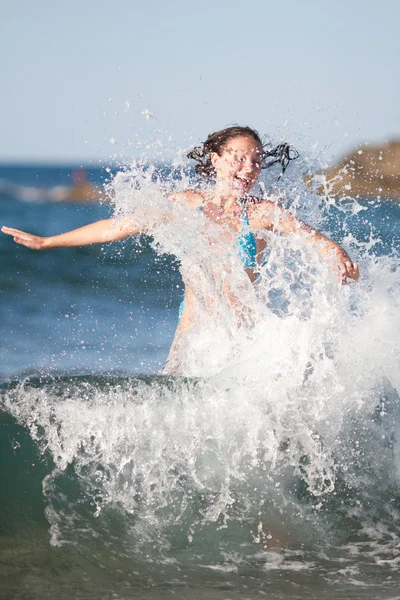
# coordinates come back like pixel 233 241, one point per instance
pixel 239 164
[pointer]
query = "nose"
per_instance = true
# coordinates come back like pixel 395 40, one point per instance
pixel 249 165
pixel 246 163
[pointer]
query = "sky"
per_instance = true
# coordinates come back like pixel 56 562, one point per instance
pixel 86 81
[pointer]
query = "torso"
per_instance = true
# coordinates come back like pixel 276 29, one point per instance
pixel 234 219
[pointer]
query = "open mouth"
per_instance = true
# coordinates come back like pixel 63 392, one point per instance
pixel 245 181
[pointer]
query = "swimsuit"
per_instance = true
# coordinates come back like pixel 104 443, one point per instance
pixel 246 245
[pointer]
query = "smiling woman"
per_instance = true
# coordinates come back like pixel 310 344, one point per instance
pixel 231 160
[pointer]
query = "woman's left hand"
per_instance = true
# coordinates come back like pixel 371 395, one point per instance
pixel 348 269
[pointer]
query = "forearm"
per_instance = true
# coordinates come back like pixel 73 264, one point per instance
pixel 100 232
pixel 268 215
pixel 326 248
pixel 284 223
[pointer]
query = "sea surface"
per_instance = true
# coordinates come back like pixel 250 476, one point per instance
pixel 273 473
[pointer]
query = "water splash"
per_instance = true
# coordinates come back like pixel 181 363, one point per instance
pixel 288 418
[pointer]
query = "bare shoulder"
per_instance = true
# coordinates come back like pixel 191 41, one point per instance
pixel 256 205
pixel 262 212
pixel 191 197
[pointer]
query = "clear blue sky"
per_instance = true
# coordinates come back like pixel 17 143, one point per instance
pixel 319 74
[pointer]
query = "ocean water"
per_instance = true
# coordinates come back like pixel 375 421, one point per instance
pixel 269 469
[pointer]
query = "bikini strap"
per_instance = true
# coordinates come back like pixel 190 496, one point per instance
pixel 245 218
pixel 205 197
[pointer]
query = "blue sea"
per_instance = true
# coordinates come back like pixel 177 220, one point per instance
pixel 269 469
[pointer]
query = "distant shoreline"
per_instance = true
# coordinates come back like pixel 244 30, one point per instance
pixel 367 171
pixel 364 172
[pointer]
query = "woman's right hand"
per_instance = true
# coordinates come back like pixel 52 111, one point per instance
pixel 27 239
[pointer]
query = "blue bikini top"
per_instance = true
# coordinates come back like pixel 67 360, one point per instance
pixel 246 244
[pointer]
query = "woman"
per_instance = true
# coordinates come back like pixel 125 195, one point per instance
pixel 232 159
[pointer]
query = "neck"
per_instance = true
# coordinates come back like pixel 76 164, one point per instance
pixel 225 198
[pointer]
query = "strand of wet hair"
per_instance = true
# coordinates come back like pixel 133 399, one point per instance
pixel 283 154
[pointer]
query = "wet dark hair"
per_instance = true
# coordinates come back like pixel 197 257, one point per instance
pixel 216 142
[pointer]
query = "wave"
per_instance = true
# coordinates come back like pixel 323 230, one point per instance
pixel 176 456
pixel 149 478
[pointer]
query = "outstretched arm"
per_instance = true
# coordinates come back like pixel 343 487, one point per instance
pixel 100 232
pixel 274 218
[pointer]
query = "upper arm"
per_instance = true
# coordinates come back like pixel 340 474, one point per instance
pixel 269 215
pixel 126 226
pixel 274 218
pixel 191 197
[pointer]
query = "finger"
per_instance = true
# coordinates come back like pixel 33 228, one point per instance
pixel 21 237
pixel 17 240
pixel 9 229
pixel 349 266
pixel 25 239
pixel 12 231
pixel 353 273
pixel 356 272
pixel 20 240
pixel 345 272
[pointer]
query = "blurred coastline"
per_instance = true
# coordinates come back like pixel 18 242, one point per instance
pixel 52 183
pixel 370 170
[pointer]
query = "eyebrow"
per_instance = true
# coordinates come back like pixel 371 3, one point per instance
pixel 238 151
